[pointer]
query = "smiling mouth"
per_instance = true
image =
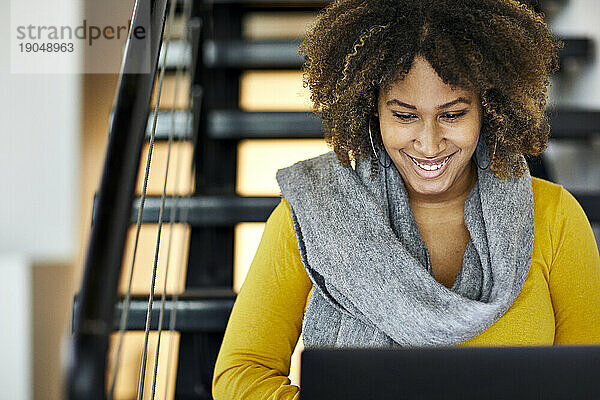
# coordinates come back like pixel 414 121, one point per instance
pixel 432 165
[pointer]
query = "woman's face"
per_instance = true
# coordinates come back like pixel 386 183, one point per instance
pixel 430 130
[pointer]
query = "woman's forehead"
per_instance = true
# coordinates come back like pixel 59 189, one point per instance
pixel 423 85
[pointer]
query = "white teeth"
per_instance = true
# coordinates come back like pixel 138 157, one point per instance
pixel 433 167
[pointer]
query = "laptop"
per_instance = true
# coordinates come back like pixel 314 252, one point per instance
pixel 545 372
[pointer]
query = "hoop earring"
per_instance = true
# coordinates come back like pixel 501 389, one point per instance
pixel 491 159
pixel 373 147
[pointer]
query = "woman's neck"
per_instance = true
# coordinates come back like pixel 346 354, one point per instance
pixel 453 198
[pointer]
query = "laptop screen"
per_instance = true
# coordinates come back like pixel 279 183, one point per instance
pixel 560 372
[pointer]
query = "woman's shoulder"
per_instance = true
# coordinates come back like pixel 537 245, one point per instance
pixel 281 217
pixel 551 196
pixel 555 206
pixel 544 190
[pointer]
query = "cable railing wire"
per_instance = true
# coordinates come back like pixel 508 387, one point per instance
pixel 142 372
pixel 178 78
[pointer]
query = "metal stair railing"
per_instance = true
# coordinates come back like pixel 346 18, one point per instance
pixel 93 321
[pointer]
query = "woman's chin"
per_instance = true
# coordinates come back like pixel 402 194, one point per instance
pixel 427 186
pixel 429 189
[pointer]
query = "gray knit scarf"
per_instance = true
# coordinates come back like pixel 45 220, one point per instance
pixel 372 281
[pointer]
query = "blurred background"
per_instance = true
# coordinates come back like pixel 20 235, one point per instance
pixel 233 86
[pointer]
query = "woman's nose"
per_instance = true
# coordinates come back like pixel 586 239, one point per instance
pixel 430 142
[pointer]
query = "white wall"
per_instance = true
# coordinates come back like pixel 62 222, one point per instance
pixel 38 156
pixel 15 329
pixel 39 138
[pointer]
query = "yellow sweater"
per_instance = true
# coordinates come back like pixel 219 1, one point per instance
pixel 559 302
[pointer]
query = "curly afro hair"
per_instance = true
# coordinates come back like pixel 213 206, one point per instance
pixel 500 49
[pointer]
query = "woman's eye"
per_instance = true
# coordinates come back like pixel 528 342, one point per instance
pixel 404 117
pixel 453 116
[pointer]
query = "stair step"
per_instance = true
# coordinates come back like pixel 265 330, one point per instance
pixel 237 54
pixel 178 53
pixel 235 124
pixel 577 49
pixel 196 311
pixel 181 121
pixel 208 210
pixel 573 123
pixel 255 54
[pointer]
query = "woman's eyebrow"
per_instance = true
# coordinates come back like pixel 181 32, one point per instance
pixel 446 105
pixel 453 102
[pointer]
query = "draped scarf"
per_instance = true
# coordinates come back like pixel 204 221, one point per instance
pixel 373 285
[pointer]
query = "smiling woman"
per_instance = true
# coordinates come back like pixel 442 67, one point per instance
pixel 500 51
pixel 430 130
pixel 423 226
